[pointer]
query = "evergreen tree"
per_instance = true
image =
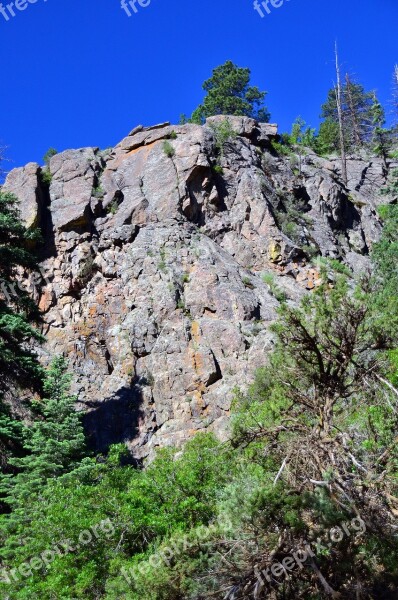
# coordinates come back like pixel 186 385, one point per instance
pixel 382 138
pixel 302 134
pixel 18 362
pixel 327 140
pixel 356 105
pixel 229 93
pixel 54 443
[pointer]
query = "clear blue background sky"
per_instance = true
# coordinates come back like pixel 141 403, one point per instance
pixel 81 73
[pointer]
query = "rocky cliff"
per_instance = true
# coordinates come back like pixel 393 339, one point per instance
pixel 154 260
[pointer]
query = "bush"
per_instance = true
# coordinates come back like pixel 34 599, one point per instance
pixel 291 218
pixel 48 155
pixel 281 148
pixel 224 133
pixel 247 282
pixel 168 149
pixel 97 192
pixel 218 170
pixel 46 176
pixel 112 207
pixel 275 290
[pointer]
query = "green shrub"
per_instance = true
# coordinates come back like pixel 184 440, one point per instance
pixel 48 155
pixel 97 192
pixel 281 148
pixel 218 170
pixel 275 290
pixel 46 176
pixel 223 133
pixel 181 304
pixel 168 149
pixel 112 207
pixel 247 282
pixel 291 218
pixel 311 251
pixel 290 229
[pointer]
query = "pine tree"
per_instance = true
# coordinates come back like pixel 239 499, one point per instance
pixel 302 134
pixel 356 114
pixel 327 140
pixel 229 93
pixel 18 362
pixel 54 443
pixel 382 138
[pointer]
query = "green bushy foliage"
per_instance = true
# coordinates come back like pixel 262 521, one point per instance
pixel 18 362
pixel 168 149
pixel 54 442
pixel 228 92
pixel 224 134
pixel 175 493
pixel 46 176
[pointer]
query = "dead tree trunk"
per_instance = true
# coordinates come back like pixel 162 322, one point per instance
pixel 341 125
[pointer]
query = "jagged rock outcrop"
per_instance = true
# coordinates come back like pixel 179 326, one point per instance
pixel 154 260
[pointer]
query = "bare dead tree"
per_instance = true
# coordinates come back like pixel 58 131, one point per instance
pixel 340 117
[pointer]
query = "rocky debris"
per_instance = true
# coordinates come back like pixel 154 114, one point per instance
pixel 155 254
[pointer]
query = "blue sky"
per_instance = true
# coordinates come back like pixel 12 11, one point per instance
pixel 82 73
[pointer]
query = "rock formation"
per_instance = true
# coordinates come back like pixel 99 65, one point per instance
pixel 154 260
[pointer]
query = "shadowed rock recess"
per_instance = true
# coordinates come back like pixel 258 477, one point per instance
pixel 155 258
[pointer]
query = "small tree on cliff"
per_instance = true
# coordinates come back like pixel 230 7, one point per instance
pixel 229 93
pixel 352 109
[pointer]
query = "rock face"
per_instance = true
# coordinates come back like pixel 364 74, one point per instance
pixel 154 257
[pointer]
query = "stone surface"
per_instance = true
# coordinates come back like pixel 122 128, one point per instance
pixel 24 183
pixel 155 264
pixel 73 181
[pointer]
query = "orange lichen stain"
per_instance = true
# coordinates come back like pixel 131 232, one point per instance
pixel 46 301
pixel 92 311
pixel 198 398
pixel 195 331
pixel 198 362
pixel 147 147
